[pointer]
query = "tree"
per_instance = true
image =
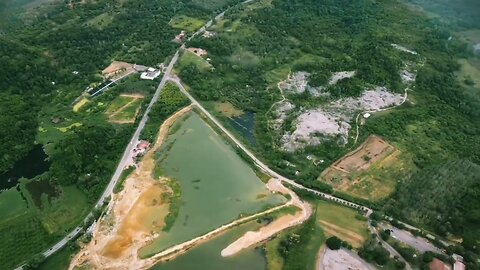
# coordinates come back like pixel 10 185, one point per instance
pixel 385 234
pixel 334 243
pixel 35 262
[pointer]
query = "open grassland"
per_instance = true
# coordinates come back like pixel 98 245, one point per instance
pixel 67 128
pixel 11 204
pixel 186 23
pixel 65 212
pixel 127 113
pixel 101 21
pixel 369 172
pixel 227 109
pixel 80 104
pixel 118 103
pixel 124 108
pixel 296 248
pixel 189 58
pixel 469 74
pixel 345 223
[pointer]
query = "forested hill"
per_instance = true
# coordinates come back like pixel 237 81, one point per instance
pixel 25 81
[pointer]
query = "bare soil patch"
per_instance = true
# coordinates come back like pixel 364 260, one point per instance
pixel 135 215
pixel 227 109
pixel 353 172
pixel 355 239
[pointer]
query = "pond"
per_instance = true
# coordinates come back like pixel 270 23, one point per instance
pixel 33 164
pixel 245 126
pixel 217 185
pixel 207 255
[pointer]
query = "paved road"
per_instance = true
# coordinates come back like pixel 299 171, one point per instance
pixel 419 243
pixel 258 162
pixel 393 252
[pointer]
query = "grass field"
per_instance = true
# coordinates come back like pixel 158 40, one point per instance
pixel 273 77
pixel 186 23
pixel 469 71
pixel 128 113
pixel 227 109
pixel 11 204
pixel 67 128
pixel 101 21
pixel 80 104
pixel 342 222
pixel 58 261
pixel 117 103
pixel 66 212
pixel 189 58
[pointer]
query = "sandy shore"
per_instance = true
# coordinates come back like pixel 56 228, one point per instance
pixel 128 224
pixel 253 237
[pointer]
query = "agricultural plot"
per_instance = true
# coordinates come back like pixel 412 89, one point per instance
pixel 345 223
pixel 124 109
pixel 368 172
pixel 186 23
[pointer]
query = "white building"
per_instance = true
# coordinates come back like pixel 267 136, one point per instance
pixel 150 74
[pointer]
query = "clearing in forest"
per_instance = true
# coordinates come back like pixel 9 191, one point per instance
pixel 186 23
pixel 227 109
pixel 345 223
pixel 369 172
pixel 124 108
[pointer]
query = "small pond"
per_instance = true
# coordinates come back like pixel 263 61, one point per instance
pixel 33 164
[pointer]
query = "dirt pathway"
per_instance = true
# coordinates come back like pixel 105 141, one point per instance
pixel 253 237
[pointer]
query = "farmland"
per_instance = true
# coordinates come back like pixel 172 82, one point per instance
pixel 124 108
pixel 369 172
pixel 345 223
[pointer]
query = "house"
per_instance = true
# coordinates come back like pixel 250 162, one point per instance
pixel 208 34
pixel 115 68
pixel 437 264
pixel 198 51
pixel 150 74
pixel 180 37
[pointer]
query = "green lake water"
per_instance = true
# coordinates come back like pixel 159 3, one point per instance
pixel 217 185
pixel 207 256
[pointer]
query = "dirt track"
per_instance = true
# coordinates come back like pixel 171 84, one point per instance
pixel 253 237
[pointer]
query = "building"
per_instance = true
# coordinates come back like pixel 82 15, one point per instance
pixel 437 264
pixel 180 37
pixel 150 74
pixel 198 51
pixel 209 34
pixel 115 68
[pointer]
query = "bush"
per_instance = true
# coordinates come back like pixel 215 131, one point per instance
pixel 334 243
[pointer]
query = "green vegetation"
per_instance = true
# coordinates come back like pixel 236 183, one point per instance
pixel 174 200
pixel 299 248
pixel 189 58
pixel 118 103
pixel 186 23
pixel 349 225
pixel 446 199
pixel 170 100
pixel 121 181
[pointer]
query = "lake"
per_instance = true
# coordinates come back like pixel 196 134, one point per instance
pixel 207 255
pixel 217 185
pixel 33 164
